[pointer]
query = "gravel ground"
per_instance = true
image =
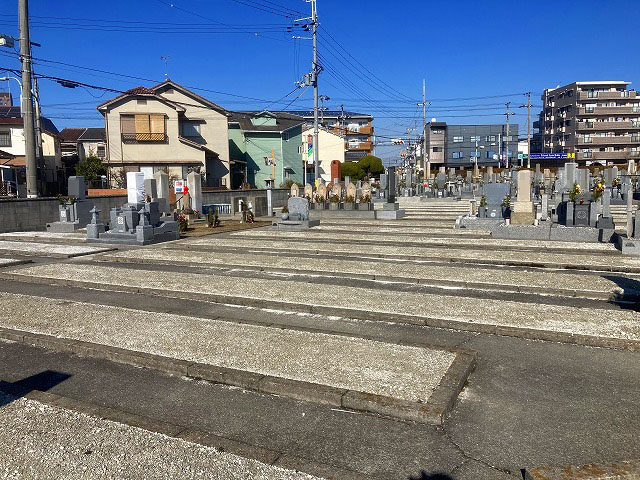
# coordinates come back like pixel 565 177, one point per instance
pixel 82 235
pixel 42 442
pixel 5 262
pixel 47 248
pixel 423 238
pixel 432 253
pixel 425 230
pixel 578 320
pixel 401 270
pixel 409 373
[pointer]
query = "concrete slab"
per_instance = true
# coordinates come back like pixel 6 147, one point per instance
pixel 402 372
pixel 508 317
pixel 558 283
pixel 8 262
pixel 48 249
pixel 41 441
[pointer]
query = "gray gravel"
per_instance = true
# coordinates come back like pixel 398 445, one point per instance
pixel 42 442
pixel 35 248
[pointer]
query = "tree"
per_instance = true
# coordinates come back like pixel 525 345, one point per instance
pixel 371 165
pixel 91 168
pixel 352 170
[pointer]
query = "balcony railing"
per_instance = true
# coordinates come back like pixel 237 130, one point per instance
pixel 607 125
pixel 619 140
pixel 607 110
pixel 608 155
pixel 143 137
pixel 606 95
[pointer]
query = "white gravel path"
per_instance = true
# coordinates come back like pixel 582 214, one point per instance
pixel 623 324
pixel 44 249
pixel 400 270
pixel 410 373
pixel 38 441
pixel 604 259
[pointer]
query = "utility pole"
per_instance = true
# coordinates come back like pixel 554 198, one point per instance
pixel 314 78
pixel 506 160
pixel 528 129
pixel 426 163
pixel 27 100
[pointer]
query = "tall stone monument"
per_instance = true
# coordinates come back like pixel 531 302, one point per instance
pixel 522 212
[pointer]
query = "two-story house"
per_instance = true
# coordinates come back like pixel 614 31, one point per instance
pixel 266 148
pixel 168 128
pixel 51 179
pixel 79 143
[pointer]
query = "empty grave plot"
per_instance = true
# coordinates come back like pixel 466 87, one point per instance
pixel 476 314
pixel 407 373
pixel 48 249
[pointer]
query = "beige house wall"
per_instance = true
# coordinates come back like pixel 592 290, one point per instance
pixel 331 147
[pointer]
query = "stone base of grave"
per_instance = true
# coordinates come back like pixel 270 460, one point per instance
pixel 475 223
pixel 550 231
pixel 389 214
pixel 359 214
pixel 166 232
pixel 628 246
pixel 295 225
pixel 522 213
pixel 64 227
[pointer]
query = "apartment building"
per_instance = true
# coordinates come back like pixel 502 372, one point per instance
pixel 355 128
pixel 599 122
pixel 459 145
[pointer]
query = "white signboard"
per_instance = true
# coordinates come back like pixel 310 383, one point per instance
pixel 179 185
pixel 135 187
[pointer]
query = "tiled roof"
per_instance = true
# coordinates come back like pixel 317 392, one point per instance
pixel 71 134
pixel 284 121
pixel 11 115
pixel 93 134
pixel 140 91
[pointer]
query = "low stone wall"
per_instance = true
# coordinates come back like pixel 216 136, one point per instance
pixel 29 214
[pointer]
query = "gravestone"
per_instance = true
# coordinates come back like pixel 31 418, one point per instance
pixel 295 190
pixel 322 191
pixel 95 228
pixel 391 185
pixel 135 187
pixel 150 188
pixel 298 209
pixel 544 201
pixel 366 189
pixel 570 174
pixel 442 170
pixel 336 189
pixel 308 192
pixel 383 181
pixel 75 213
pixel 162 188
pixel 194 183
pixel 441 180
pixel 494 194
pixel 522 212
pixel 582 179
pixel 581 215
pixel 351 191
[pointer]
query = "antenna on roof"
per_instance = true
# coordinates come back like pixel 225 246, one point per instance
pixel 165 59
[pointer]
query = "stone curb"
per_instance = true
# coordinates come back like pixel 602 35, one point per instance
pixel 518 332
pixel 222 444
pixel 433 412
pixel 426 282
pixel 470 261
pixel 625 470
pixel 55 255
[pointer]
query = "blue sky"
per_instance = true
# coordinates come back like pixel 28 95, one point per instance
pixel 375 53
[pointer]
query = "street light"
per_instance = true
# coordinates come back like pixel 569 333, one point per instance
pixel 6 79
pixel 476 157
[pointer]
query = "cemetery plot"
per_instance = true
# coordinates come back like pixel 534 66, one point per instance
pixel 48 249
pixel 605 261
pixel 478 243
pixel 458 312
pixel 557 283
pixel 44 236
pixel 42 441
pixel 355 364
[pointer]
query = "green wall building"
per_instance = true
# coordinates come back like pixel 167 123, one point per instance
pixel 265 148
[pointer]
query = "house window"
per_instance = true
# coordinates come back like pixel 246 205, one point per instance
pixel 458 139
pixel 190 129
pixel 143 127
pixel 457 155
pixel 475 138
pixel 490 154
pixel 286 136
pixel 101 151
pixel 490 138
pixel 142 102
pixel 436 149
pixel 5 138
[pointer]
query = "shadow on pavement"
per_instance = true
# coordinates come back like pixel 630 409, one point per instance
pixel 432 476
pixel 42 382
pixel 630 296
